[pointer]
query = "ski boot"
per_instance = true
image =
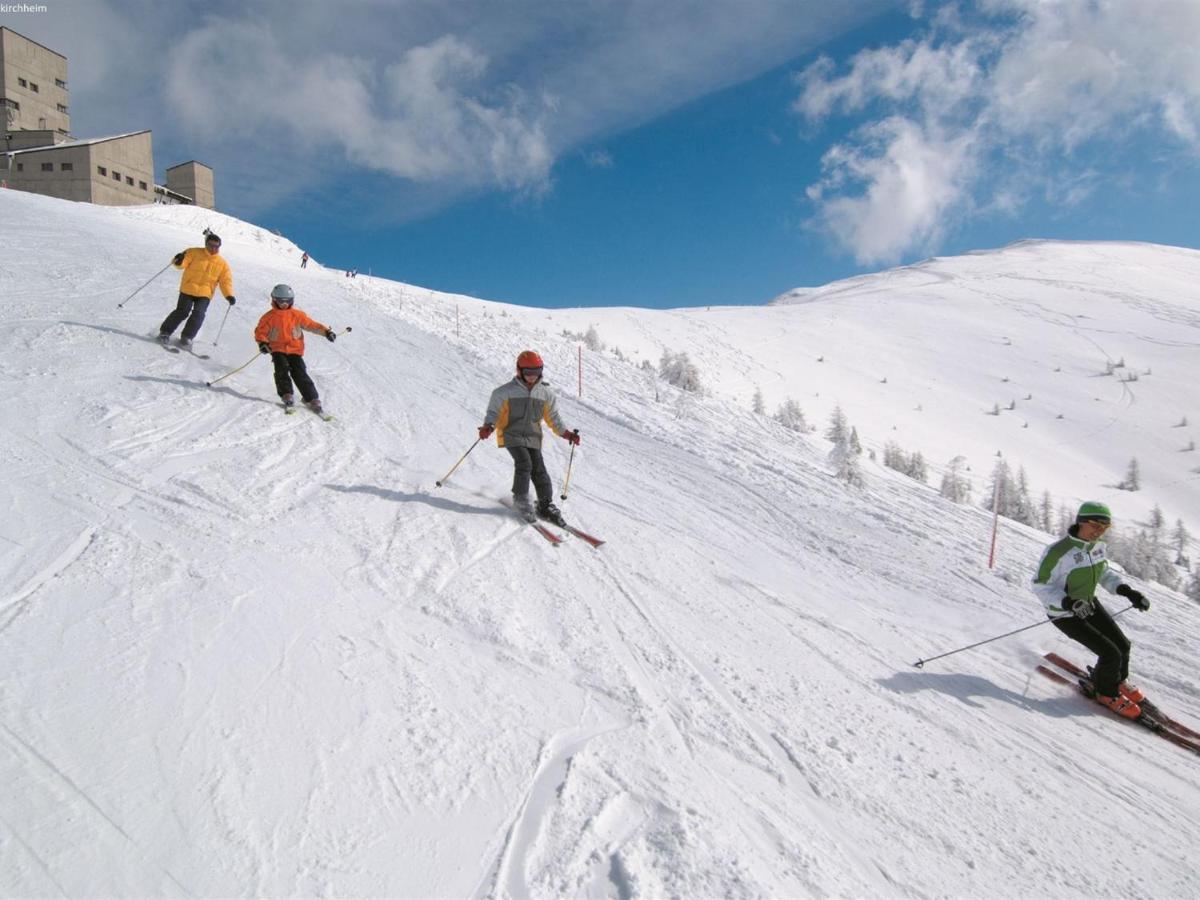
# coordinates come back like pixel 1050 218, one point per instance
pixel 1131 692
pixel 314 405
pixel 1122 706
pixel 548 511
pixel 185 343
pixel 164 338
pixel 289 402
pixel 524 507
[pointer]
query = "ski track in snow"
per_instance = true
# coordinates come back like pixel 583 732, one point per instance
pixel 249 653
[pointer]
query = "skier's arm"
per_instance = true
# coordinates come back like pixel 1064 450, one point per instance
pixel 550 414
pixel 226 281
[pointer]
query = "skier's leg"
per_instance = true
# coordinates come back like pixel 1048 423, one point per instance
pixel 183 306
pixel 522 467
pixel 1103 621
pixel 196 319
pixel 308 390
pixel 283 378
pixel 1107 671
pixel 541 478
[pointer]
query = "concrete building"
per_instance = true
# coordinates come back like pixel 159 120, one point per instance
pixel 33 85
pixel 39 154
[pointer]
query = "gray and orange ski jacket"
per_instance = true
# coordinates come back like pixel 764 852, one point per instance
pixel 517 412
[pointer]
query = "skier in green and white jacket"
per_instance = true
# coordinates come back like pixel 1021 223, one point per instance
pixel 1067 577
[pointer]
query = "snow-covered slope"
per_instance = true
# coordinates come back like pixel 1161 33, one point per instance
pixel 249 654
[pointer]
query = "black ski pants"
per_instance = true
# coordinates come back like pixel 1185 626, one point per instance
pixel 1100 634
pixel 188 307
pixel 290 367
pixel 528 464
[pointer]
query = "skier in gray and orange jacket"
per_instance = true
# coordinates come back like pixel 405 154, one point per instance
pixel 515 412
pixel 1067 577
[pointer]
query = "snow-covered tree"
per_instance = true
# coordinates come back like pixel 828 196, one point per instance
pixel 956 486
pixel 1180 537
pixel 759 407
pixel 855 443
pixel 1046 520
pixel 1022 507
pixel 678 369
pixel 791 416
pixel 1133 477
pixel 845 463
pixel 1000 489
pixel 1192 589
pixel 839 429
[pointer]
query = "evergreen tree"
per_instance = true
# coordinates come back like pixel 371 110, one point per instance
pixel 1133 477
pixel 956 486
pixel 1022 508
pixel 839 429
pixel 917 469
pixel 855 443
pixel 791 416
pixel 1000 490
pixel 1179 540
pixel 759 408
pixel 845 463
pixel 1046 514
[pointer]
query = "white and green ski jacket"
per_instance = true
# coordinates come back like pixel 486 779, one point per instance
pixel 1073 568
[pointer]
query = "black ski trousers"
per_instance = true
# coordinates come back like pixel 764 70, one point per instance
pixel 290 367
pixel 188 307
pixel 528 464
pixel 1100 634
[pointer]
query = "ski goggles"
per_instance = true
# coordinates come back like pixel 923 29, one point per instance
pixel 537 371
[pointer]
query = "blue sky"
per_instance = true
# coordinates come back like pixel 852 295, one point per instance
pixel 656 152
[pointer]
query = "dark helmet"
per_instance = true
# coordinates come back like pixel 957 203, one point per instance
pixel 211 237
pixel 282 295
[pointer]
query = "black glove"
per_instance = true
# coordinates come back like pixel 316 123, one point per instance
pixel 330 336
pixel 1137 598
pixel 232 300
pixel 264 347
pixel 1081 608
pixel 179 258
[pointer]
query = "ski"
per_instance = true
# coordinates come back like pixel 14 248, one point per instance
pixel 582 535
pixel 197 355
pixel 533 523
pixel 321 414
pixel 168 349
pixel 1146 720
pixel 1148 705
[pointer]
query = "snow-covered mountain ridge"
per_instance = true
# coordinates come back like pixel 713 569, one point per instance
pixel 243 653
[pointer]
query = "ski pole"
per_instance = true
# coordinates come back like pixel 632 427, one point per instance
pixel 446 477
pixel 228 307
pixel 567 480
pixel 920 663
pixel 139 290
pixel 234 372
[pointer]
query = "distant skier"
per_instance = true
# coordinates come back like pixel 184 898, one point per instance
pixel 1067 577
pixel 280 332
pixel 304 260
pixel 515 412
pixel 203 269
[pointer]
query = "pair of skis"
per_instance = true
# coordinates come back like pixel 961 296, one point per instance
pixel 1152 717
pixel 549 534
pixel 325 417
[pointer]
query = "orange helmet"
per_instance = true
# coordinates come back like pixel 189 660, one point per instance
pixel 528 360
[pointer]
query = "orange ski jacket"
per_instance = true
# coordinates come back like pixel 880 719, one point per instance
pixel 202 272
pixel 283 329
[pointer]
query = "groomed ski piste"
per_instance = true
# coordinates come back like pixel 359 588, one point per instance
pixel 251 654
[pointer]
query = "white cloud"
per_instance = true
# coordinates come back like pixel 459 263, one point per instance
pixel 448 98
pixel 986 104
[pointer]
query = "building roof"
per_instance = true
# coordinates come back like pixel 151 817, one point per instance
pixel 66 145
pixel 22 37
pixel 189 162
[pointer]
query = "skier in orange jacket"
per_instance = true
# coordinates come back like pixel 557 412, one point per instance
pixel 280 332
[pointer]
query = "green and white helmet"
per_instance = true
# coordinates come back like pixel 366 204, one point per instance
pixel 1092 510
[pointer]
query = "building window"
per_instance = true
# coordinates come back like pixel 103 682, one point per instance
pixel 116 176
pixel 33 87
pixel 9 103
pixel 62 109
pixel 100 170
pixel 142 185
pixel 22 82
pixel 58 82
pixel 67 167
pixel 47 167
pixel 129 180
pixel 20 167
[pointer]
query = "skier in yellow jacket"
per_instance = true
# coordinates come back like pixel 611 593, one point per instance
pixel 203 269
